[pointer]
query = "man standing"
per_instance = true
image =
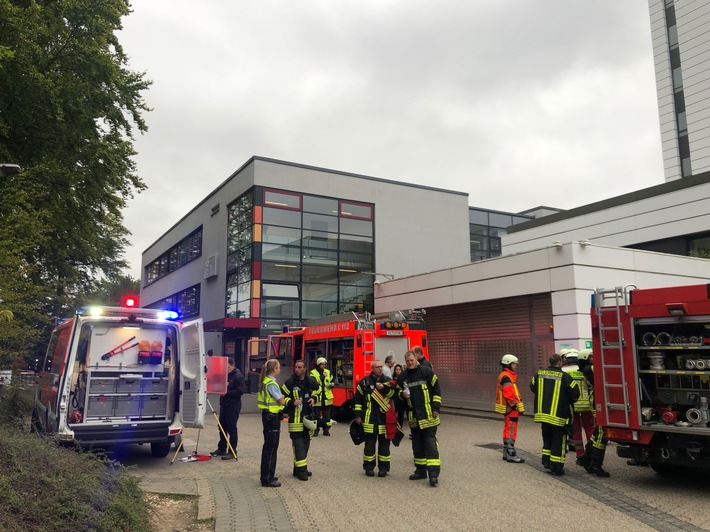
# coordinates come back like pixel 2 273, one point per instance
pixel 555 393
pixel 373 401
pixel 422 394
pixel 230 405
pixel 509 403
pixel 323 396
pixel 388 365
pixel 421 359
pixel 298 390
pixel 583 416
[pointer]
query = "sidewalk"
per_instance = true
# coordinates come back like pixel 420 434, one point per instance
pixel 474 491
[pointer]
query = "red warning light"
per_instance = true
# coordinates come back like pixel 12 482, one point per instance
pixel 130 301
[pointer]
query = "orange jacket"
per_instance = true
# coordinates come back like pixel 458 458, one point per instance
pixel 507 393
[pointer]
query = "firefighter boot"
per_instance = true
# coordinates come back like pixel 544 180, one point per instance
pixel 513 454
pixel 595 468
pixel 505 450
pixel 418 474
pixel 326 430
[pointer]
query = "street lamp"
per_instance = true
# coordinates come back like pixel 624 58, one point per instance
pixel 9 169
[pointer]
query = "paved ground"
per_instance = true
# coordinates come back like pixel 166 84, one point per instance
pixel 477 490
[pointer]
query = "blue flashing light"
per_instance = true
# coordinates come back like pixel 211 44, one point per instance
pixel 168 315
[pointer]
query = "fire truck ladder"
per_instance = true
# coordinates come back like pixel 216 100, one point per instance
pixel 613 350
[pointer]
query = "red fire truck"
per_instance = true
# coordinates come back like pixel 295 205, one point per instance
pixel 349 342
pixel 652 373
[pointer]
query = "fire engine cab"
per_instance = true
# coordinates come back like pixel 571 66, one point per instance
pixel 652 373
pixel 350 342
pixel 115 375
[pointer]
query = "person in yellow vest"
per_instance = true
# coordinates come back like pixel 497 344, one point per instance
pixel 583 416
pixel 270 401
pixel 509 403
pixel 323 396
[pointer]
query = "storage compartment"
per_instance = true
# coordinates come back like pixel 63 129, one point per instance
pixel 129 385
pixel 154 405
pixel 100 406
pixel 127 406
pixel 154 386
pixel 102 385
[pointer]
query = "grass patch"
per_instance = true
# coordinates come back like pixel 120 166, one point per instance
pixel 45 486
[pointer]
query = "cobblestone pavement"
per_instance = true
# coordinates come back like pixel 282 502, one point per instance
pixel 477 490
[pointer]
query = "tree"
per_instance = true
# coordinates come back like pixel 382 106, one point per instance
pixel 68 109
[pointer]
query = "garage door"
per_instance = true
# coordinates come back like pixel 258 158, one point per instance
pixel 467 341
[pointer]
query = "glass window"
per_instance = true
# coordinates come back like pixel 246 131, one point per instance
pixel 356 261
pixel 319 274
pixel 279 308
pixel 282 199
pixel 673 36
pixel 274 271
pixel 279 290
pixel 322 292
pixel 499 220
pixel 320 223
pixel 356 210
pixel 318 239
pixel 281 217
pixel 319 256
pixel 355 227
pixel 677 79
pixel 682 122
pixel 281 235
pixel 320 205
pixel 359 244
pixel 477 217
pixel 318 309
pixel 276 253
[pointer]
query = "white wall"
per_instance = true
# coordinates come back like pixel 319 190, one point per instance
pixel 570 272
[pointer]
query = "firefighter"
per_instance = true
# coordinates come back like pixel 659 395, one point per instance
pixel 270 401
pixel 323 396
pixel 298 392
pixel 421 391
pixel 510 404
pixel 419 352
pixel 373 405
pixel 555 393
pixel 582 415
pixel 595 450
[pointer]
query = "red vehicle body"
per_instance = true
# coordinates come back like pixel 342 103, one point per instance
pixel 652 373
pixel 349 343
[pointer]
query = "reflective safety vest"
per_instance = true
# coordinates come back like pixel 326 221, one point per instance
pixel 584 403
pixel 324 394
pixel 507 393
pixel 264 400
pixel 555 393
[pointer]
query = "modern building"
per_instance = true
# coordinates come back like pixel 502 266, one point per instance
pixel 681 47
pixel 279 243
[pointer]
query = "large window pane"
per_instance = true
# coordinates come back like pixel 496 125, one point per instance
pixel 320 205
pixel 275 252
pixel 279 308
pixel 319 256
pixel 281 217
pixel 323 292
pixel 319 274
pixel 320 224
pixel 359 244
pixel 318 239
pixel 318 309
pixel 282 199
pixel 275 271
pixel 356 227
pixel 357 210
pixel 356 261
pixel 279 290
pixel 281 235
pixel 500 220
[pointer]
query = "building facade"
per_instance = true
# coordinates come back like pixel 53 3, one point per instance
pixel 681 46
pixel 279 243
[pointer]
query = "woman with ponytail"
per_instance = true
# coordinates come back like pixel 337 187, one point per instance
pixel 270 401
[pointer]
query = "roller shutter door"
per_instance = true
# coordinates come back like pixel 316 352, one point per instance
pixel 467 341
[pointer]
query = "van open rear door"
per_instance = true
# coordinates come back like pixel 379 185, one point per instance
pixel 193 389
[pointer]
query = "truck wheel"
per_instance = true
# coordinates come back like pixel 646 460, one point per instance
pixel 159 450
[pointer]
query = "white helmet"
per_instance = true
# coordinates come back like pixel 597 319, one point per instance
pixel 310 424
pixel 571 355
pixel 584 354
pixel 509 359
pixel 320 361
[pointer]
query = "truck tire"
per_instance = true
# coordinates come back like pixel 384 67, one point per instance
pixel 664 469
pixel 159 450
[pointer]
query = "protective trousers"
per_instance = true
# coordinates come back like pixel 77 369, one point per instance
pixel 383 456
pixel 425 447
pixel 301 443
pixel 582 420
pixel 554 440
pixel 510 425
pixel 269 452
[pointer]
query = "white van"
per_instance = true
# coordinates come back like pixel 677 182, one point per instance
pixel 122 375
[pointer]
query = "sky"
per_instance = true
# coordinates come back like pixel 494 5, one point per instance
pixel 519 103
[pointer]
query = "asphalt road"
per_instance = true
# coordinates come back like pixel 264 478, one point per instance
pixel 477 490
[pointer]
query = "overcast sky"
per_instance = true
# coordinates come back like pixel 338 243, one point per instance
pixel 519 103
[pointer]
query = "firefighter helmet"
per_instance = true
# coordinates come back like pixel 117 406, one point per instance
pixel 357 433
pixel 571 355
pixel 509 359
pixel 320 361
pixel 310 422
pixel 584 354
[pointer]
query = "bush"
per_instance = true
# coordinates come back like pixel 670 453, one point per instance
pixel 44 486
